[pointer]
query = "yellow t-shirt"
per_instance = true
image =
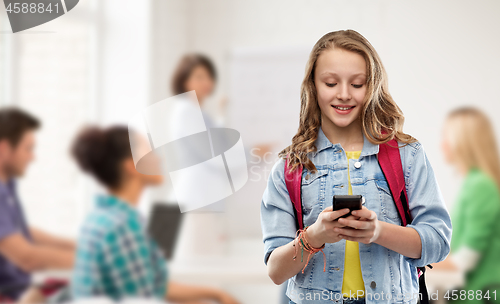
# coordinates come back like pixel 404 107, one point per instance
pixel 353 279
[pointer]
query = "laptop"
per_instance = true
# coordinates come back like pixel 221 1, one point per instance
pixel 164 226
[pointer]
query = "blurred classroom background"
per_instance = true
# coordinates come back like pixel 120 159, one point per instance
pixel 105 60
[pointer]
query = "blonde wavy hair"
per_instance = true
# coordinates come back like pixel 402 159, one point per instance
pixel 379 114
pixel 472 141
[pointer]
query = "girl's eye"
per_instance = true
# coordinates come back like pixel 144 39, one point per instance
pixel 331 85
pixel 357 86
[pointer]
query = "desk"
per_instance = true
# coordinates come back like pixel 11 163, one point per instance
pixel 243 276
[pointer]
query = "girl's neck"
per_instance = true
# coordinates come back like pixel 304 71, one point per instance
pixel 129 191
pixel 350 137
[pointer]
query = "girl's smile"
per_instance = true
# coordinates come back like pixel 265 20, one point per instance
pixel 343 110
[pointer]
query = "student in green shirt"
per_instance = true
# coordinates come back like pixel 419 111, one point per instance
pixel 469 145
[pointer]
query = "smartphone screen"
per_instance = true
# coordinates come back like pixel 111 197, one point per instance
pixel 352 202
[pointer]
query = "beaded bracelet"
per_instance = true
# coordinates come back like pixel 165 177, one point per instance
pixel 301 237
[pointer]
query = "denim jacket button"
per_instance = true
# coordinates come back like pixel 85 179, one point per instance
pixel 357 165
pixel 373 284
pixel 307 176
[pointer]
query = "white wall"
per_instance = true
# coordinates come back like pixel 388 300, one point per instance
pixel 124 63
pixel 168 43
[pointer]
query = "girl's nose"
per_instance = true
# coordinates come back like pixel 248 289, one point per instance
pixel 344 93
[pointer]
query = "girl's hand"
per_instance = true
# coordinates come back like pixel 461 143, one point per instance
pixel 322 231
pixel 364 230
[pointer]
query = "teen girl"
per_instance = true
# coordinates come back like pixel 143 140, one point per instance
pixel 369 256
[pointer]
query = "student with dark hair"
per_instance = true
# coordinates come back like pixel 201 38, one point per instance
pixel 115 257
pixel 23 249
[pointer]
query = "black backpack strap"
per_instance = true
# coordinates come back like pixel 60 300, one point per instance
pixel 424 294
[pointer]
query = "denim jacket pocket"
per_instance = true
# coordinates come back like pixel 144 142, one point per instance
pixel 388 206
pixel 313 188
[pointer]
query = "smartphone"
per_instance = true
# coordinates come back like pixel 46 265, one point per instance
pixel 353 202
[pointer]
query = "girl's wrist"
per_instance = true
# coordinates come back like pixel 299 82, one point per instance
pixel 381 232
pixel 312 237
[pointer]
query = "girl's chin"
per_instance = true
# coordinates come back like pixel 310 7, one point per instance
pixel 342 123
pixel 339 120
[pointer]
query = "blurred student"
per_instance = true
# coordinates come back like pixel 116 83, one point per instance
pixel 469 145
pixel 194 72
pixel 115 257
pixel 23 249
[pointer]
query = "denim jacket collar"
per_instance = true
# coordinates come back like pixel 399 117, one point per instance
pixel 322 142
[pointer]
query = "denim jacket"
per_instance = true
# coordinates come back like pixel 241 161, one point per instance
pixel 389 277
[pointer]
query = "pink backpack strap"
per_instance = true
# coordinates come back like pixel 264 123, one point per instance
pixel 390 162
pixel 293 180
